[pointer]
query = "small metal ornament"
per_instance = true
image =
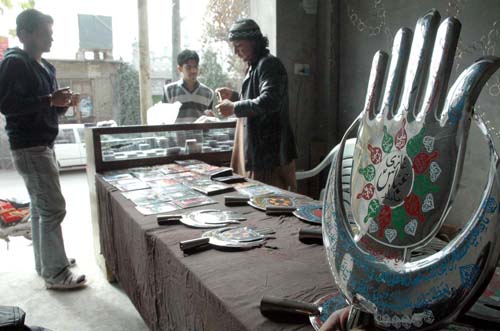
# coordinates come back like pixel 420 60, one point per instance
pixel 229 237
pixel 204 219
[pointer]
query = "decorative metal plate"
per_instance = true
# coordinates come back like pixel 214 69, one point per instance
pixel 276 200
pixel 311 213
pixel 235 237
pixel 211 218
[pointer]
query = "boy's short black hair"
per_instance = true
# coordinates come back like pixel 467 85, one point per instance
pixel 30 19
pixel 187 55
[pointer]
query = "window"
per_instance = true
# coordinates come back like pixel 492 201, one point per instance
pixel 81 133
pixel 66 136
pixel 96 54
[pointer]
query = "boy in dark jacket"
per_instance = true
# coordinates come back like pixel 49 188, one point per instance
pixel 31 103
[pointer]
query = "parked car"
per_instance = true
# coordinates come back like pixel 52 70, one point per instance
pixel 70 146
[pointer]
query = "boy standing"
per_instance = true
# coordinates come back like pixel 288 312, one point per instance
pixel 31 102
pixel 194 96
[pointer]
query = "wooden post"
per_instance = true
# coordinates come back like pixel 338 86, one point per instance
pixel 144 67
pixel 176 36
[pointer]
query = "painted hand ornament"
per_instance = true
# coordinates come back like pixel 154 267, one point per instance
pixel 407 165
pixel 392 140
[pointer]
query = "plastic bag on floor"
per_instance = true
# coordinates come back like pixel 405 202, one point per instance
pixel 12 213
pixel 14 219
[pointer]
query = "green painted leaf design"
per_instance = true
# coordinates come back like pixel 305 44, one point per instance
pixel 415 143
pixel 387 141
pixel 373 210
pixel 423 185
pixel 398 220
pixel 368 172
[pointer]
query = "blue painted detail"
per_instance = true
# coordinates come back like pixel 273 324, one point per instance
pixel 454 115
pixel 455 112
pixel 469 274
pixel 491 205
pixel 333 304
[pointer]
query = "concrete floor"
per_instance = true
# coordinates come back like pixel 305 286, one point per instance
pixel 100 306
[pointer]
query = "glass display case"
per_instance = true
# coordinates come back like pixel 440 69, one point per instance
pixel 124 147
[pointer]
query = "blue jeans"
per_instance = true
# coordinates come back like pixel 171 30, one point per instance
pixel 38 167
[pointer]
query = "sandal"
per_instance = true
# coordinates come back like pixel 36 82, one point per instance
pixel 71 264
pixel 66 280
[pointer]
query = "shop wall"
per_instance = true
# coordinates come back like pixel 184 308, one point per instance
pixel 300 35
pixel 293 35
pixel 296 44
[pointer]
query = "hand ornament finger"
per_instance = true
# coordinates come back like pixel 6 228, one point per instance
pixel 463 94
pixel 423 39
pixel 399 61
pixel 440 69
pixel 375 84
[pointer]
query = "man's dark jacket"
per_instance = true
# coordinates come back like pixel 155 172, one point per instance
pixel 24 86
pixel 269 140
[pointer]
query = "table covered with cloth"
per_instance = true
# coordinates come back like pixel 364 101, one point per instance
pixel 211 289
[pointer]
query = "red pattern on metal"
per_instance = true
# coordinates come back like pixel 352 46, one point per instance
pixel 384 219
pixel 412 207
pixel 375 154
pixel 422 161
pixel 401 137
pixel 367 192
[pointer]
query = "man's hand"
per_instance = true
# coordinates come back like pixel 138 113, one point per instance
pixel 75 99
pixel 337 320
pixel 61 98
pixel 226 108
pixel 225 93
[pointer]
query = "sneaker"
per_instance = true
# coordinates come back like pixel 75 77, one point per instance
pixel 66 280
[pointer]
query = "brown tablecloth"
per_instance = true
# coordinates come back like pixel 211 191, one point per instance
pixel 212 289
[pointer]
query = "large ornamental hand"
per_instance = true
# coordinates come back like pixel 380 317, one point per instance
pixel 407 163
pixel 408 158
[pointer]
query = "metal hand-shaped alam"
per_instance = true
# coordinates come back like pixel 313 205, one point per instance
pixel 407 164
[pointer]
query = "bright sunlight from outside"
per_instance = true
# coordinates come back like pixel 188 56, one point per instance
pixel 108 79
pixel 203 28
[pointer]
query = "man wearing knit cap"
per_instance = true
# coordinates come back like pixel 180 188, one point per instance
pixel 264 142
